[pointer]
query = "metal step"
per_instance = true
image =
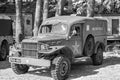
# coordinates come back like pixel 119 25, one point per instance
pixel 80 59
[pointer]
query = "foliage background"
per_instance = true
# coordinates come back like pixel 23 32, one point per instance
pixel 79 7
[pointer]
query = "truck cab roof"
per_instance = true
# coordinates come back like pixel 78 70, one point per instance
pixel 68 19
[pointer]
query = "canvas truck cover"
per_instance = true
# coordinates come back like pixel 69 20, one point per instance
pixel 5 26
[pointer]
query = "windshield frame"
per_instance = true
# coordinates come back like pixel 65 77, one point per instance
pixel 66 25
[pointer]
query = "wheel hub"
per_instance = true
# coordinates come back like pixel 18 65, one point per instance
pixel 22 67
pixel 64 68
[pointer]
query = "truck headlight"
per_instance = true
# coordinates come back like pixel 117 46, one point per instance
pixel 44 47
pixel 14 51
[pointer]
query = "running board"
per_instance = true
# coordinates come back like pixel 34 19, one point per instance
pixel 80 59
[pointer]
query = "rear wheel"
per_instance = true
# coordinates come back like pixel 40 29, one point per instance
pixel 4 51
pixel 89 46
pixel 19 68
pixel 98 57
pixel 60 68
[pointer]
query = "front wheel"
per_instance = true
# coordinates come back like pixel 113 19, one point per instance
pixel 19 68
pixel 98 57
pixel 60 68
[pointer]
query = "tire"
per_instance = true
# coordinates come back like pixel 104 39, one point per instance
pixel 98 57
pixel 89 46
pixel 109 48
pixel 19 68
pixel 4 51
pixel 60 68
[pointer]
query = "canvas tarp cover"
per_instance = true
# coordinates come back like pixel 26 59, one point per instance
pixel 6 27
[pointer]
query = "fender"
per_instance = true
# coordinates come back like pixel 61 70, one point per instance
pixel 67 52
pixel 59 50
pixel 52 49
pixel 98 44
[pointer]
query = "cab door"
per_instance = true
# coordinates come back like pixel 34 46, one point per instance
pixel 76 39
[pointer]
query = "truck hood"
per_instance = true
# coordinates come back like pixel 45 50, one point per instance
pixel 44 38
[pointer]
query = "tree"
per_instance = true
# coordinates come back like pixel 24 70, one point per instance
pixel 70 6
pixel 38 16
pixel 45 9
pixel 59 7
pixel 90 8
pixel 19 23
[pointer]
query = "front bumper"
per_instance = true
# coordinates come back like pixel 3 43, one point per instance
pixel 30 61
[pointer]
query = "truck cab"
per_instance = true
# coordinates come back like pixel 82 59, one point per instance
pixel 60 41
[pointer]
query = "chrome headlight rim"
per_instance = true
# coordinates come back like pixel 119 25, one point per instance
pixel 44 46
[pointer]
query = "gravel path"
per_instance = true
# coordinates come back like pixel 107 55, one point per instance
pixel 84 70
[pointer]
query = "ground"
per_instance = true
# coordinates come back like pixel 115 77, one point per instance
pixel 82 70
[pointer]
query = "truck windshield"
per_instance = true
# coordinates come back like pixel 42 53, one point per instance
pixel 58 28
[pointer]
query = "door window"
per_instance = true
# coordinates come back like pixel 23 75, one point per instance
pixel 76 30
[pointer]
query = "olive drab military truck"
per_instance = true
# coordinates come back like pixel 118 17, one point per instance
pixel 60 41
pixel 6 36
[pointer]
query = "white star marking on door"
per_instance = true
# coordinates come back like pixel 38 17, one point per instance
pixel 76 47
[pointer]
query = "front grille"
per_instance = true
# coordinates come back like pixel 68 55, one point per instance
pixel 29 50
pixel 31 46
pixel 30 53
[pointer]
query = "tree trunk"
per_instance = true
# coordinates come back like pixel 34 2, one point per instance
pixel 90 8
pixel 19 24
pixel 38 17
pixel 45 9
pixel 101 9
pixel 70 6
pixel 59 7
